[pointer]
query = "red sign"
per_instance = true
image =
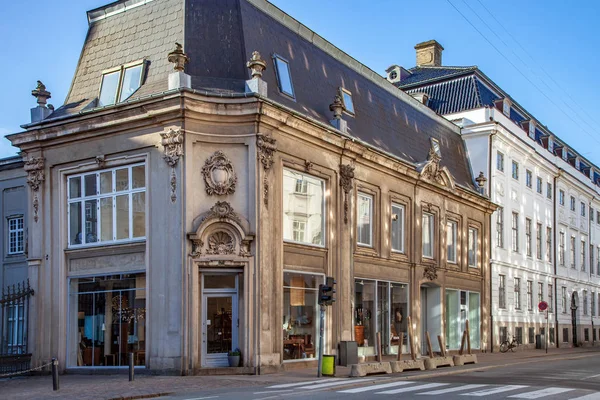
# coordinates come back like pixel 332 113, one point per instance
pixel 543 306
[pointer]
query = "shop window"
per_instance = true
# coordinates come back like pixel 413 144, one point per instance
pixel 303 208
pixel 398 228
pixel 107 320
pixel 461 306
pixel 380 306
pixel 364 229
pixel 107 206
pixel 300 315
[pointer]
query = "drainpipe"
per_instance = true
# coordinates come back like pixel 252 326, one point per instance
pixel 490 155
pixel 555 260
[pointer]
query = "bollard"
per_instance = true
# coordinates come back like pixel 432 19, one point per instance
pixel 130 367
pixel 378 346
pixel 55 383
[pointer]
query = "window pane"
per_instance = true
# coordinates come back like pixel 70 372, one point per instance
pixel 304 205
pixel 108 91
pixel 364 219
pixel 91 221
pixel 427 235
pixel 123 217
pixel 131 81
pixel 74 187
pixel 122 179
pixel 106 182
pixel 398 228
pixel 139 214
pixel 106 218
pixel 451 241
pixel 138 176
pixel 90 185
pixel 283 74
pixel 474 319
pixel 348 102
pixel 75 223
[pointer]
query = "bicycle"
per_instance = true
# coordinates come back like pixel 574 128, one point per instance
pixel 509 345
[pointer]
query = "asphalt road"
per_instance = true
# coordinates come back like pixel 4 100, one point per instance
pixel 570 377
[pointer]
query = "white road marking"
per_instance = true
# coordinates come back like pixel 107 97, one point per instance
pixel 279 391
pixel 590 377
pixel 328 384
pixel 413 388
pixel 202 398
pixel 375 387
pixel 495 390
pixel 286 385
pixel 452 389
pixel 540 393
pixel 593 396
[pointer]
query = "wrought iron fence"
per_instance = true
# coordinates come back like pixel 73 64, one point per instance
pixel 14 320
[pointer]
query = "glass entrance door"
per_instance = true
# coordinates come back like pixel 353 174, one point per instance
pixel 219 328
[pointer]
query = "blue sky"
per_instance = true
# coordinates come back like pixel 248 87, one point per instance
pixel 547 51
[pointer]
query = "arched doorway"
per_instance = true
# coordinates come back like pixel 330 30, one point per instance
pixel 574 306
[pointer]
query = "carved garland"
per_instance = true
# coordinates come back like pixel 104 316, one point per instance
pixel 219 176
pixel 35 177
pixel 267 146
pixel 172 142
pixel 346 178
pixel 430 272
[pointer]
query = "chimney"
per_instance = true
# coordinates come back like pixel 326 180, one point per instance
pixel 429 54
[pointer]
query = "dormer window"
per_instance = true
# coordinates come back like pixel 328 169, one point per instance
pixel 284 78
pixel 346 96
pixel 119 83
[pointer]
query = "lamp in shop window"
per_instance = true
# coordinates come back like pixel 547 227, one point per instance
pixel 297 295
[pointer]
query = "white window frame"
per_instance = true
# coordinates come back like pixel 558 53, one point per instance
pixel 572 205
pixel 550 297
pixel 500 161
pixel 451 239
pixel 502 291
pixel 277 57
pixel 583 254
pixel 564 299
pixel 347 101
pixel 515 170
pixel 538 241
pixel 500 228
pixel 515 232
pixel 16 233
pixel 113 194
pixel 562 240
pixel 573 252
pixel 549 190
pixel 528 238
pixel 529 295
pixel 517 293
pixel 528 178
pixel 582 209
pixel 561 197
pixel 473 247
pixel 297 228
pixel 121 70
pixel 398 221
pixel 539 185
pixel 363 196
pixel 430 218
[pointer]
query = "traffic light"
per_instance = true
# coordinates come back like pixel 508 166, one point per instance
pixel 327 291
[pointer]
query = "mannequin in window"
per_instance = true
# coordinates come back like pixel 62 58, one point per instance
pixel 398 317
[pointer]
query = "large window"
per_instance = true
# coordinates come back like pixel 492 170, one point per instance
pixel 500 161
pixel 300 315
pixel 582 209
pixel 451 233
pixel 561 249
pixel 573 252
pixel 515 232
pixel 398 228
pixel 583 256
pixel 107 206
pixel 561 197
pixel 472 239
pixel 502 291
pixel 515 170
pixel 107 320
pixel 529 295
pixel 548 244
pixel 303 208
pixel 528 237
pixel 563 299
pixel 548 190
pixel 500 227
pixel 528 178
pixel 550 298
pixel 538 242
pixel 517 290
pixel 539 185
pixel 572 206
pixel 284 77
pixel 15 235
pixel 462 306
pixel 585 303
pixel 364 229
pixel 428 235
pixel 540 292
pixel 120 83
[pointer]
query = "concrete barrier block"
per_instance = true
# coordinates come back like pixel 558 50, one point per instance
pixel 465 359
pixel 435 362
pixel 407 365
pixel 370 368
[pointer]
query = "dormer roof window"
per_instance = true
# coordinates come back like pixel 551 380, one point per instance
pixel 346 96
pixel 119 83
pixel 284 77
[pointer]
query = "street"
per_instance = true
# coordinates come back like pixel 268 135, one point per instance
pixel 567 377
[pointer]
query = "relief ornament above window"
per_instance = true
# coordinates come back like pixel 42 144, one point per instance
pixel 219 175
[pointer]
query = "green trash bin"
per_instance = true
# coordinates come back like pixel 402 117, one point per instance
pixel 328 365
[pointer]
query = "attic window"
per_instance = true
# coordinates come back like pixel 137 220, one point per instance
pixel 119 83
pixel 284 78
pixel 346 96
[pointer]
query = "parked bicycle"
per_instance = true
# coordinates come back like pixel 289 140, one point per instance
pixel 509 345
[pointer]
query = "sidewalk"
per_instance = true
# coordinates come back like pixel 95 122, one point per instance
pixel 88 387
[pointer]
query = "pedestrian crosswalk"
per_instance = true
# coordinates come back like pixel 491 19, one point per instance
pixel 365 386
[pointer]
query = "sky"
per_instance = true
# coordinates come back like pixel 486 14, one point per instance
pixel 544 54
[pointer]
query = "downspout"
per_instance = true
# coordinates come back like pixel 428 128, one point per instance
pixel 257 257
pixel 555 260
pixel 591 258
pixel 490 155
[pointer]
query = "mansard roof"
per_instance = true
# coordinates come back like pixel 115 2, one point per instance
pixel 220 36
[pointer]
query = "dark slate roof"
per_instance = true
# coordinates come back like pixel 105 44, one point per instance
pixel 421 75
pixel 220 36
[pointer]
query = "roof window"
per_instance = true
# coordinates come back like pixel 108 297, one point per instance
pixel 284 78
pixel 346 96
pixel 119 83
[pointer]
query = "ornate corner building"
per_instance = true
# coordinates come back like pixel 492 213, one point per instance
pixel 184 202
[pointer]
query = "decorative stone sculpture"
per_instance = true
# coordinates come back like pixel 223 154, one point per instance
pixel 172 142
pixel 257 65
pixel 337 107
pixel 35 177
pixel 432 171
pixel 267 146
pixel 178 58
pixel 481 180
pixel 346 178
pixel 41 94
pixel 220 243
pixel 219 176
pixel 430 272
